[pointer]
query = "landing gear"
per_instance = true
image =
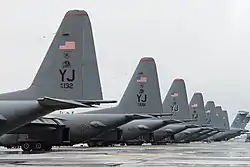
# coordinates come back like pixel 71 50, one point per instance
pixel 26 146
pixel 36 146
pixel 122 144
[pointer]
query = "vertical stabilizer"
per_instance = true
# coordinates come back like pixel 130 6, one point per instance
pixel 210 113
pixel 239 119
pixel 69 69
pixel 143 93
pixel 176 101
pixel 219 117
pixel 225 119
pixel 246 121
pixel 196 107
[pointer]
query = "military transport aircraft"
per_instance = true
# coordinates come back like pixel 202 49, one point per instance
pixel 69 129
pixel 142 96
pixel 237 128
pixel 176 102
pixel 58 83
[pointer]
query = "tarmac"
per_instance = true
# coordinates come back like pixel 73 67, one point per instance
pixel 234 153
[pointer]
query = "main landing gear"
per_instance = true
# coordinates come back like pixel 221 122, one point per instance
pixel 36 146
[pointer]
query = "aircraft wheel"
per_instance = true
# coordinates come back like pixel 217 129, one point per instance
pixel 100 144
pixel 26 146
pixel 37 146
pixel 122 144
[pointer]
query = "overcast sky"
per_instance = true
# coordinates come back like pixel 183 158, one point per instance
pixel 205 42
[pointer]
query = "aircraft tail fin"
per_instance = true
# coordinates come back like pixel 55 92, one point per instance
pixel 210 113
pixel 69 69
pixel 246 121
pixel 220 118
pixel 225 119
pixel 238 121
pixel 197 109
pixel 142 95
pixel 176 101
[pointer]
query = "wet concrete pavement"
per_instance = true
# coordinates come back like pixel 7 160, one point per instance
pixel 232 153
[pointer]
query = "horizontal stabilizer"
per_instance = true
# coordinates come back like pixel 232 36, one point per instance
pixel 96 102
pixel 220 129
pixel 172 121
pixel 207 125
pixel 161 114
pixel 54 103
pixel 137 116
pixel 192 126
pixel 189 120
pixel 244 131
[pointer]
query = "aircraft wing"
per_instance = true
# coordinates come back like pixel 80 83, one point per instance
pixel 38 125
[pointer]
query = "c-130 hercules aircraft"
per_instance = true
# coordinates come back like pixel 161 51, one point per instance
pixel 69 129
pixel 56 85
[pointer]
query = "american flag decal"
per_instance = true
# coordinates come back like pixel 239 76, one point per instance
pixel 194 105
pixel 141 79
pixel 67 45
pixel 174 94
